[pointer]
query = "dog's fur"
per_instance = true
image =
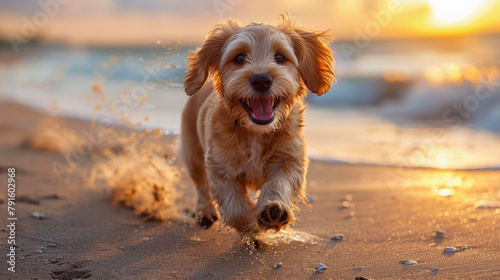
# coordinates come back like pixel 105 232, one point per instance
pixel 226 153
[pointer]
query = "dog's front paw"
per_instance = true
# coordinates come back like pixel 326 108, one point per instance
pixel 275 215
pixel 205 222
pixel 206 217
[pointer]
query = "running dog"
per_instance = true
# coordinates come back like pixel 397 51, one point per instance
pixel 244 131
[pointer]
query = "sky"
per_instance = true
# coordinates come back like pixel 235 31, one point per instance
pixel 132 22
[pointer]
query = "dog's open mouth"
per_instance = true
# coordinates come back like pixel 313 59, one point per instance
pixel 261 110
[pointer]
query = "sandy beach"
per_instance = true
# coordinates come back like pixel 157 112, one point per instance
pixel 386 215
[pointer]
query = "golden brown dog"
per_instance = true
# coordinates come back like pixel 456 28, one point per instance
pixel 246 132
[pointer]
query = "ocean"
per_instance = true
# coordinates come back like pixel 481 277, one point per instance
pixel 412 103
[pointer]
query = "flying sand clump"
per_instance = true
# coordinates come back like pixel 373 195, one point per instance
pixel 141 177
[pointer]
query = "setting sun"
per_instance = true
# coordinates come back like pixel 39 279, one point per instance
pixel 462 13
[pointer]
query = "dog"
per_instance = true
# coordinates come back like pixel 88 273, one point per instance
pixel 243 132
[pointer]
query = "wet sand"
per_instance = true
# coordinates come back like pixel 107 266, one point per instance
pixel 386 214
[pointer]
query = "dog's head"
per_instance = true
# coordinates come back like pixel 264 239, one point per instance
pixel 260 71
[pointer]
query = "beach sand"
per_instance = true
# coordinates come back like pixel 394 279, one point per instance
pixel 386 214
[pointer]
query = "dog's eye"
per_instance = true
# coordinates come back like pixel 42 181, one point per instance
pixel 279 58
pixel 239 59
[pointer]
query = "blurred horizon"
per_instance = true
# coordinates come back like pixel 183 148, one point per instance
pixel 117 23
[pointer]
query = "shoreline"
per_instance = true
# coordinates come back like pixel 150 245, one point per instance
pixel 386 214
pixel 313 159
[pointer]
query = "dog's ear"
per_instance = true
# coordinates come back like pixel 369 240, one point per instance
pixel 314 58
pixel 205 60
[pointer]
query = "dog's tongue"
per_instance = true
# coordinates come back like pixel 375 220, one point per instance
pixel 262 108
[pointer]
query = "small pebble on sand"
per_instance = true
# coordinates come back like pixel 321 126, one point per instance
pixel 38 216
pixel 439 233
pixel 278 265
pixel 51 246
pixel 450 249
pixel 361 278
pixel 485 204
pixel 346 204
pixel 338 237
pixel 409 262
pixel 436 269
pixel 321 266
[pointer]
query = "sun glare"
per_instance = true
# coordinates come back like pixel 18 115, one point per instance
pixel 452 12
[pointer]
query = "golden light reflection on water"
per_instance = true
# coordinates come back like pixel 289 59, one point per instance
pixel 455 73
pixel 449 183
pixel 446 191
pixel 441 148
pixel 449 72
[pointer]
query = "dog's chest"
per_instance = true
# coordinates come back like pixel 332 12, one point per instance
pixel 251 159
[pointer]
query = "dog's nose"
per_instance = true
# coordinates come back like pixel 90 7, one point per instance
pixel 261 82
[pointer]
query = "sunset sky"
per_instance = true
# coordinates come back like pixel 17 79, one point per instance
pixel 129 22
